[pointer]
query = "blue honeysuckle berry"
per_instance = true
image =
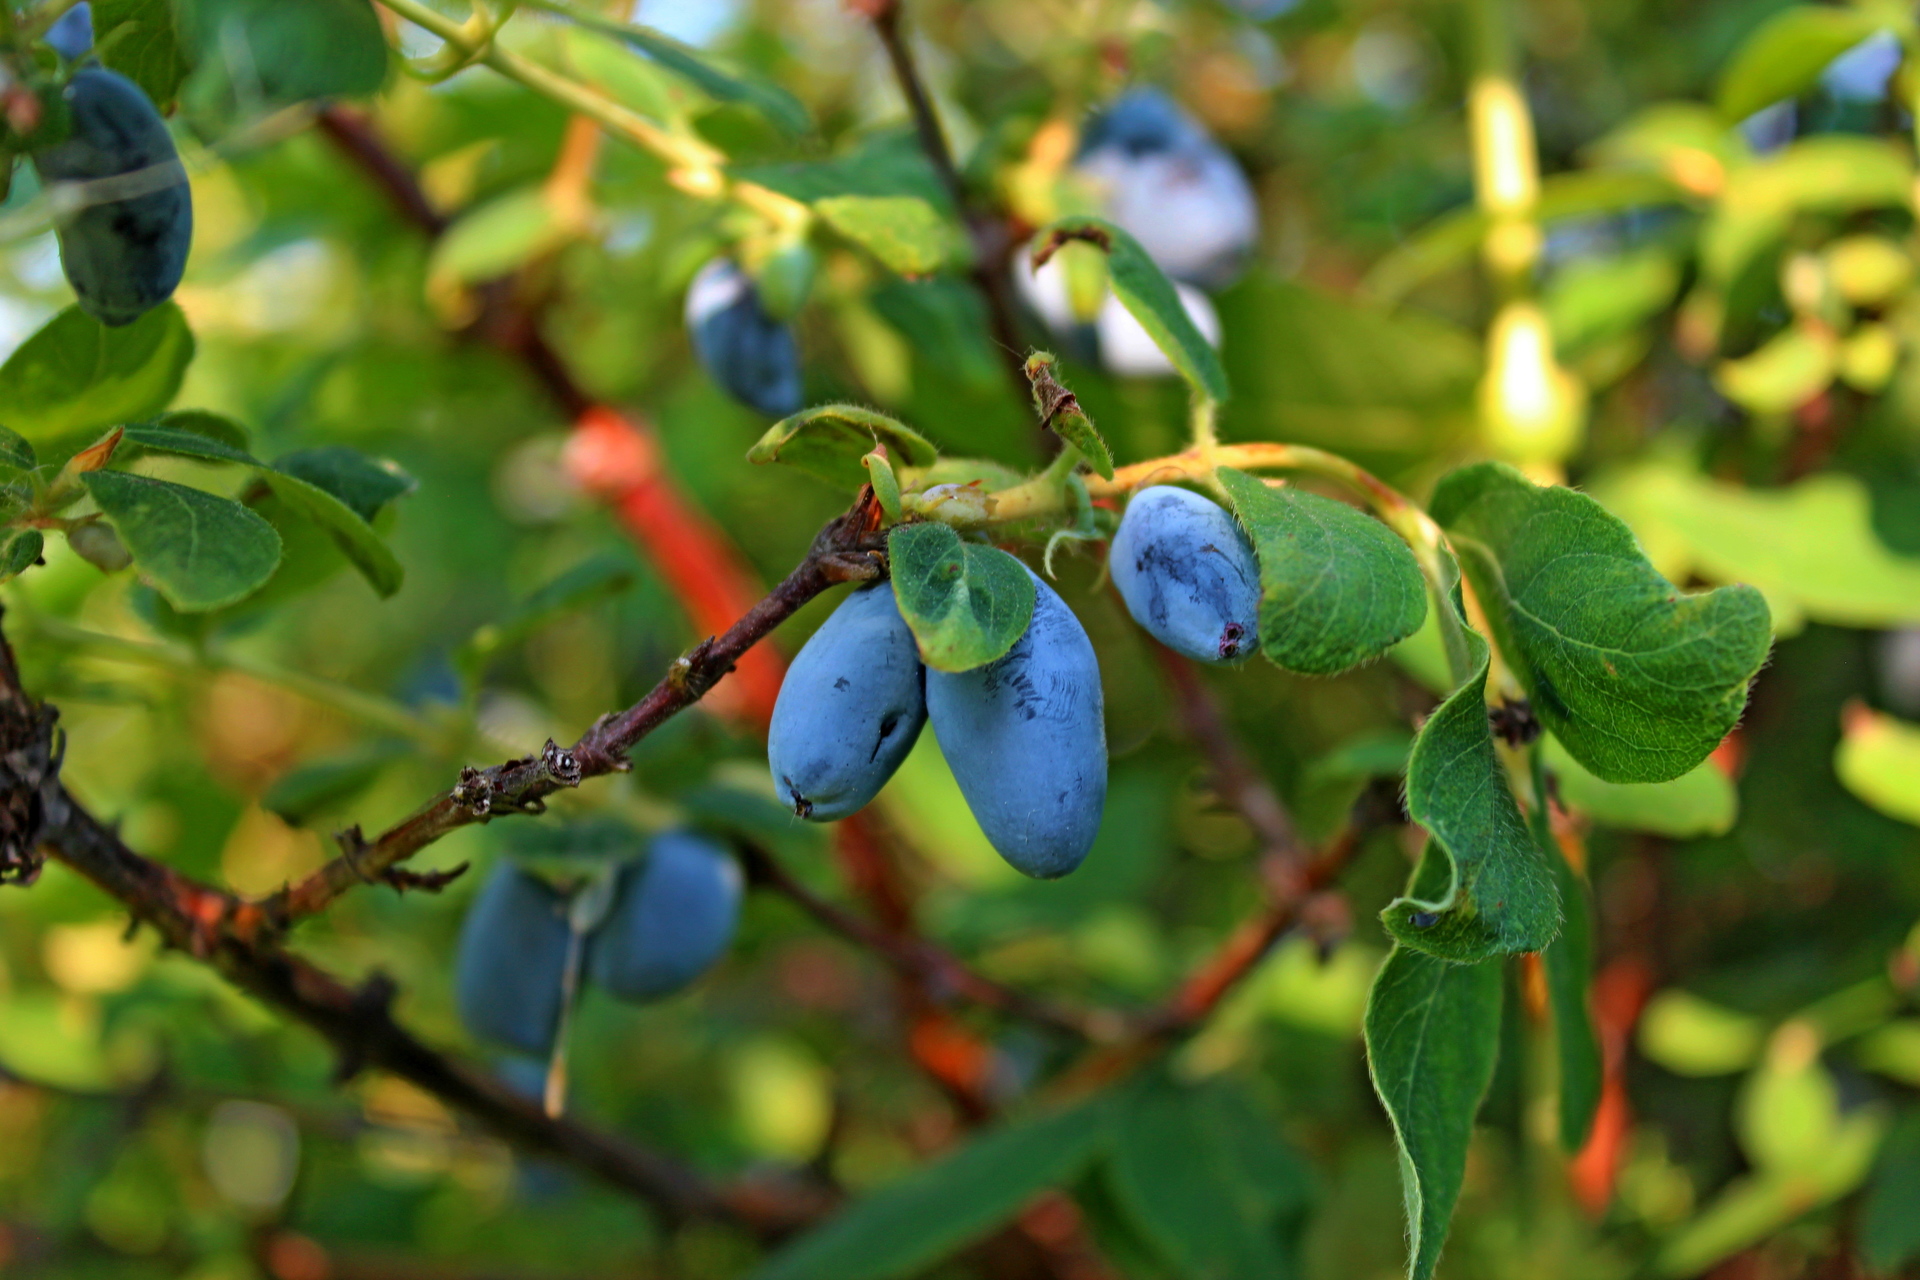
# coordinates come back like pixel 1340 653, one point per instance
pixel 744 349
pixel 72 36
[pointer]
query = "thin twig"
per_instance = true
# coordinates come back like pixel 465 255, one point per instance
pixel 845 550
pixel 938 972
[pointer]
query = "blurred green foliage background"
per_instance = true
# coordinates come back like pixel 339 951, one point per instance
pixel 1732 293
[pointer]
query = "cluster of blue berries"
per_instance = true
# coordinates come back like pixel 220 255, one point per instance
pixel 1024 735
pixel 672 916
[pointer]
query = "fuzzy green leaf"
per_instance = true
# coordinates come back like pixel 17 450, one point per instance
pixel 200 550
pixel 1337 587
pixel 827 442
pixel 1432 1032
pixel 76 373
pixel 1146 292
pixel 967 604
pixel 181 443
pixel 1636 679
pixel 906 1226
pixel 19 551
pixel 16 452
pixel 1501 896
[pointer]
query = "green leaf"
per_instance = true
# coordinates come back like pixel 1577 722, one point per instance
pixel 592 580
pixel 1810 548
pixel 967 604
pixel 185 444
pixel 202 422
pixel 1785 372
pixel 140 42
pixel 904 1227
pixel 1337 587
pixel 1785 56
pixel 1591 301
pixel 1878 759
pixel 76 373
pixel 283 53
pixel 1700 802
pixel 1432 1032
pixel 16 451
pixel 1568 963
pixel 19 551
pixel 302 793
pixel 905 233
pixel 828 442
pixel 769 99
pixel 199 549
pixel 886 485
pixel 1638 681
pixel 1204 1179
pixel 1694 1037
pixel 500 236
pixel 366 549
pixel 1890 1216
pixel 365 484
pixel 1500 897
pixel 884 164
pixel 1146 292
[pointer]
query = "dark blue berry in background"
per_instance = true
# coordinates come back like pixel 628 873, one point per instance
pixel 125 247
pixel 72 36
pixel 1172 187
pixel 1187 574
pixel 1026 739
pixel 748 352
pixel 850 709
pixel 512 961
pixel 673 917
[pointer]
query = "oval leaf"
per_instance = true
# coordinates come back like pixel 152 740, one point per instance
pixel 1637 680
pixel 1500 897
pixel 76 373
pixel 1785 56
pixel 200 550
pixel 906 233
pixel 1338 588
pixel 365 484
pixel 181 443
pixel 1146 292
pixel 965 603
pixel 828 443
pixel 19 552
pixel 1432 1032
pixel 348 529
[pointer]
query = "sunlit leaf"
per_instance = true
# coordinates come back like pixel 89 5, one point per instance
pixel 76 373
pixel 828 442
pixel 1878 759
pixel 1784 57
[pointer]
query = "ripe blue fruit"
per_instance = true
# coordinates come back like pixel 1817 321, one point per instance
pixel 1027 742
pixel 511 961
pixel 745 350
pixel 850 709
pixel 1188 575
pixel 126 247
pixel 1174 188
pixel 72 35
pixel 673 916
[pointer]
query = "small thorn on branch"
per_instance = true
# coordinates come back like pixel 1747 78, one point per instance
pixel 474 792
pixel 353 845
pixel 425 881
pixel 561 764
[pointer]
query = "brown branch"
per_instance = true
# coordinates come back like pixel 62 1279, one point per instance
pixel 942 975
pixel 846 549
pixel 358 1023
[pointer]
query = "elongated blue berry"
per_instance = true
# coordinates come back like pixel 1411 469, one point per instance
pixel 850 709
pixel 1026 739
pixel 672 918
pixel 72 35
pixel 511 961
pixel 1188 575
pixel 125 248
pixel 745 350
